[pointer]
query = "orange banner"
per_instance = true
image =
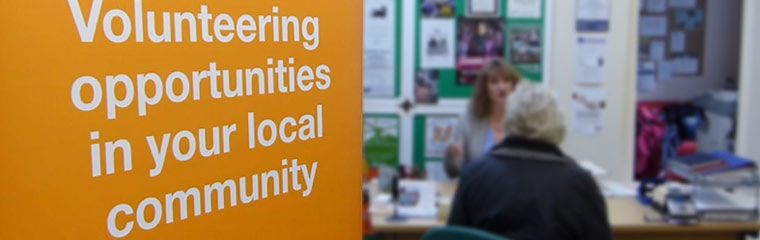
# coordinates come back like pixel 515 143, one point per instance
pixel 180 119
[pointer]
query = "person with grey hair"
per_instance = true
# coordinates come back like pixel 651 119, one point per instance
pixel 526 188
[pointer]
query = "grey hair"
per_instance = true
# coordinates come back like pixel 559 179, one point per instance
pixel 533 113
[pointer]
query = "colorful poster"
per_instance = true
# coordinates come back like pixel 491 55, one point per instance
pixel 438 8
pixel 437 43
pixel 525 49
pixel 467 78
pixel 439 135
pixel 381 140
pixel 426 86
pixel 690 19
pixel 379 48
pixel 525 46
pixel 480 41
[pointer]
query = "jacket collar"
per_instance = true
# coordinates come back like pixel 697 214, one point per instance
pixel 529 148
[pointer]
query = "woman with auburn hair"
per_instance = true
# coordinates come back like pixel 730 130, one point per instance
pixel 482 128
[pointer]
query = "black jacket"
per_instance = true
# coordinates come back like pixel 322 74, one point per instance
pixel 526 189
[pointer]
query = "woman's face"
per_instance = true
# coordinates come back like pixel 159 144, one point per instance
pixel 499 88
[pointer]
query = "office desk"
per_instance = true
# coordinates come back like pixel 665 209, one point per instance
pixel 626 217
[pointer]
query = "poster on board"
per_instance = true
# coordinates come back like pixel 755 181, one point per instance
pixel 526 9
pixel 653 26
pixel 381 140
pixel 438 8
pixel 479 42
pixel 207 128
pixel 426 86
pixel 484 8
pixel 657 6
pixel 379 48
pixel 525 49
pixel 439 135
pixel 437 43
pixel 525 46
pixel 646 76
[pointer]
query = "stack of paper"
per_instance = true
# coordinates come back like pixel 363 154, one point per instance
pixel 417 199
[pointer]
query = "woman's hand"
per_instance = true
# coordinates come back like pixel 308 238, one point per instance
pixel 455 150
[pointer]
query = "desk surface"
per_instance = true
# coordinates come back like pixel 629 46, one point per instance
pixel 625 214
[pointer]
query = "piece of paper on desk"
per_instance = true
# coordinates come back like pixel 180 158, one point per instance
pixel 417 199
pixel 657 6
pixel 655 26
pixel 677 42
pixel 381 204
pixel 593 168
pixel 723 200
pixel 613 189
pixel 683 3
pixel 657 50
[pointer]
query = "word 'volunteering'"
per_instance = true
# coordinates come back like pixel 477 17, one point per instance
pixel 246 28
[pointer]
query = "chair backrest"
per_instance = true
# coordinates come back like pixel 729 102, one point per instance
pixel 459 233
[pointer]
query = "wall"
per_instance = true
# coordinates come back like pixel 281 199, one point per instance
pixel 613 148
pixel 749 113
pixel 721 56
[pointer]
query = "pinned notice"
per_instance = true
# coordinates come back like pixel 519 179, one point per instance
pixel 591 57
pixel 653 26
